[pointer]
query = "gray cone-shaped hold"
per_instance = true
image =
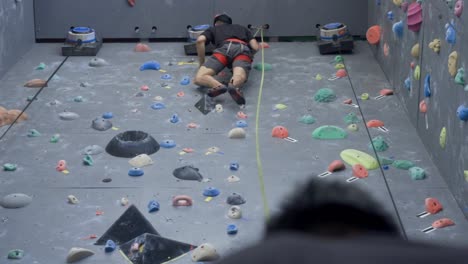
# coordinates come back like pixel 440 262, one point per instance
pixel 101 124
pixel 76 254
pixel 67 116
pixel 92 150
pixel 15 200
pixel 235 199
pixel 188 173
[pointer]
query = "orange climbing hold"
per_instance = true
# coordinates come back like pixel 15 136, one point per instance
pixel 444 222
pixel 336 165
pixel 140 47
pixel 423 106
pixel 241 115
pixel 373 35
pixel 433 206
pixel 386 92
pixel 279 132
pixel 61 165
pixel 192 125
pixel 360 171
pixel 36 83
pixel 375 123
pixel 131 2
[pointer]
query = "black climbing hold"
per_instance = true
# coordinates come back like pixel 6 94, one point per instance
pixel 106 180
pixel 235 199
pixel 130 224
pixel 188 173
pixel 132 143
pixel 153 249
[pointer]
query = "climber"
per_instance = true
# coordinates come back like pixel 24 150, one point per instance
pixel 235 48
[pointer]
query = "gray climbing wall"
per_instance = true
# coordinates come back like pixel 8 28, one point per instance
pixel 446 94
pixel 116 19
pixel 16 32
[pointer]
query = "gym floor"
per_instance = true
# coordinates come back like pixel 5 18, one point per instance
pixel 48 227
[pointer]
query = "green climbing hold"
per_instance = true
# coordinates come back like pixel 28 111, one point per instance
pixel 33 133
pixel 466 175
pixel 264 66
pixel 325 95
pixel 15 254
pixel 379 144
pixel 280 106
pixel 55 138
pixel 460 77
pixel 78 99
pixel 403 164
pixel 329 132
pixel 417 73
pixel 417 173
pixel 443 137
pixel 9 167
pixel 339 59
pixel 307 119
pixel 41 66
pixel 353 157
pixel 353 127
pixel 30 98
pixel 351 118
pixel 88 160
pixel 385 161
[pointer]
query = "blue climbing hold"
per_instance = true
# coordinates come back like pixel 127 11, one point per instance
pixel 234 166
pixel 378 2
pixel 232 229
pixel 450 34
pixel 153 206
pixel 462 113
pixel 211 192
pixel 385 167
pixel 427 86
pixel 398 29
pixel 166 76
pixel 408 83
pixel 110 246
pixel 185 80
pixel 150 65
pixel 135 172
pixel 390 15
pixel 168 143
pixel 241 123
pixel 107 115
pixel 158 106
pixel 174 118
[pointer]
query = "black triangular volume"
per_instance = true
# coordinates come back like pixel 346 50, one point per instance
pixel 130 224
pixel 154 249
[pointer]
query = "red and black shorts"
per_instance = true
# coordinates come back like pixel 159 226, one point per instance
pixel 232 54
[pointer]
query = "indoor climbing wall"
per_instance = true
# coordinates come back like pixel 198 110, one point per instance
pixel 426 67
pixel 156 19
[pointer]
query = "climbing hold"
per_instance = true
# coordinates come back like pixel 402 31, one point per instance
pixel 192 125
pixel 232 229
pixel 141 161
pixel 233 178
pixel 135 172
pixel 390 15
pixel 61 165
pixel 373 35
pixel 107 115
pixel 150 65
pixel 364 96
pixel 219 108
pixel 92 150
pixel 465 173
pixel 106 180
pixel 174 119
pixel 417 173
pixel 280 132
pixel 325 95
pixel 237 133
pixel 460 77
pixel 403 164
pixel 435 45
pixel 166 76
pixel 101 124
pixel 33 133
pixel 415 51
pixel 340 66
pixel 185 80
pixel 158 98
pixel 241 115
pixel 235 212
pixel 15 200
pixel 351 118
pixel 110 246
pixel 30 98
pixel 422 106
pixel 144 88
pixel 329 132
pixel 41 66
pixel 348 101
pixel 67 116
pixel 235 199
pixel 408 83
pixel 76 254
pixel 158 106
pixel 352 157
pixel 443 137
pixel 433 206
pixel 379 144
pixel 211 192
pixel 72 199
pixel 78 99
pixel 386 92
pixel 458 10
pixel 124 201
pixel 307 119
pixel 9 167
pixel 131 3
pixel 359 171
pixel 353 127
pixel 427 86
pixel 264 66
pixel 450 33
pixel 36 83
pixel 280 107
pixel 398 3
pixel 188 173
pixel 182 200
pixel 180 94
pixel 385 161
pixel 15 254
pixel 415 16
pixel 375 123
pixel 97 62
pixel 336 165
pixel 341 73
pixel 88 160
pixel 462 113
pixel 141 47
pixel 441 223
pixel 234 166
pixel 318 77
pixel 168 143
pixel 417 73
pixel 204 252
pixel 241 123
pixel 153 206
pixel 338 59
pixel 397 29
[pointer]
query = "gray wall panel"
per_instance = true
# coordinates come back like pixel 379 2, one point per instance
pixel 16 31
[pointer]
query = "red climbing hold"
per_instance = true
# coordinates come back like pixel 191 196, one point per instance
pixel 386 92
pixel 348 101
pixel 279 132
pixel 375 123
pixel 423 106
pixel 341 73
pixel 336 165
pixel 413 65
pixel 415 17
pixel 360 171
pixel 61 165
pixel 444 222
pixel 433 206
pixel 373 35
pixel 131 2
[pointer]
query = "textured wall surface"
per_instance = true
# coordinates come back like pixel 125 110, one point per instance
pixel 446 95
pixel 116 19
pixel 16 31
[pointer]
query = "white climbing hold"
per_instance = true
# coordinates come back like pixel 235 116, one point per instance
pixel 141 161
pixel 67 116
pixel 124 201
pixel 237 133
pixel 97 62
pixel 204 252
pixel 76 254
pixel 219 108
pixel 235 212
pixel 72 199
pixel 233 178
pixel 15 200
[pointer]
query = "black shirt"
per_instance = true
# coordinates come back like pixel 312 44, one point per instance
pixel 218 34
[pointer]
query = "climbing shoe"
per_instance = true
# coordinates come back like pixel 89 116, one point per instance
pixel 213 92
pixel 236 95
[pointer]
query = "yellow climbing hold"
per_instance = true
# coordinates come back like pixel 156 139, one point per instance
pixel 443 137
pixel 339 66
pixel 364 96
pixel 417 73
pixel 280 106
pixel 452 63
pixel 398 2
pixel 318 77
pixel 466 175
pixel 415 51
pixel 353 157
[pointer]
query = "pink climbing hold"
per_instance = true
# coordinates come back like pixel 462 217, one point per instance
pixel 182 200
pixel 241 115
pixel 414 17
pixel 188 150
pixel 61 165
pixel 441 223
pixel 348 101
pixel 336 165
pixel 375 123
pixel 413 65
pixel 144 88
pixel 131 2
pixel 180 94
pixel 386 92
pixel 279 132
pixel 140 47
pixel 423 106
pixel 360 171
pixel 458 10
